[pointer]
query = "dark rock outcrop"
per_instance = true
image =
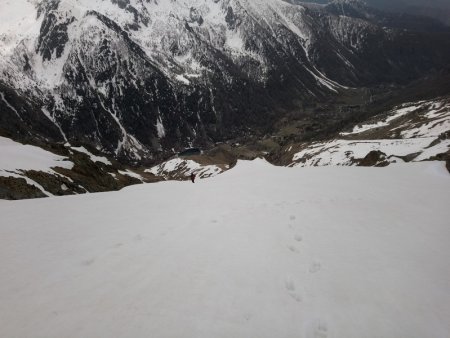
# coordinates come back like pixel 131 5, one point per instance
pixel 375 158
pixel 12 188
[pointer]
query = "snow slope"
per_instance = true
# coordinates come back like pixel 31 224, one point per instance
pixel 259 251
pixel 15 157
pixel 435 119
pixel 418 130
pixel 18 21
pixel 346 152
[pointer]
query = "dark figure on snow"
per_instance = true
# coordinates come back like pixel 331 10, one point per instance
pixel 193 178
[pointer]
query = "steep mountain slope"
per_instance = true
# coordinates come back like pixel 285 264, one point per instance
pixel 301 252
pixel 139 79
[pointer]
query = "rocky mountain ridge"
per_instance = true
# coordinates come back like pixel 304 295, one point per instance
pixel 411 132
pixel 138 80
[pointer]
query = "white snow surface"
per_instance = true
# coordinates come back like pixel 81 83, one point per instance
pixel 344 152
pixel 15 157
pixel 259 251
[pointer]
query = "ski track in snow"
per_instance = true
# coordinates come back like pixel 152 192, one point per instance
pixel 213 259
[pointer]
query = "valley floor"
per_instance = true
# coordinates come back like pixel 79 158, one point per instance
pixel 259 251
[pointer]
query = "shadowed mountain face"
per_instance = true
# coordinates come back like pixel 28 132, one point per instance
pixel 437 9
pixel 140 79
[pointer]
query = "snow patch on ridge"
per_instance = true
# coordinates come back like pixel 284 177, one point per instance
pixel 93 157
pixel 347 152
pixel 27 179
pixel 420 130
pixel 160 128
pixel 179 167
pixel 395 114
pixel 131 174
pixel 15 157
pixel 183 80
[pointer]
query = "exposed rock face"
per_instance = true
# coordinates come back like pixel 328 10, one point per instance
pixel 12 188
pixel 139 79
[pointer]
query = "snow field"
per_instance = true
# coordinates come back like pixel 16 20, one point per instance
pixel 344 152
pixel 259 251
pixel 15 157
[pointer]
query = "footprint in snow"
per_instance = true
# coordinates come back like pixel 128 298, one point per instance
pixel 315 267
pixel 289 284
pixel 321 330
pixel 317 329
pixel 292 218
pixel 298 238
pixel 292 249
pixel 88 262
pixel 248 316
pixel 296 297
pixel 291 289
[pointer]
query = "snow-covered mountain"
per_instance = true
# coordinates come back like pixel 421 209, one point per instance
pixel 139 78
